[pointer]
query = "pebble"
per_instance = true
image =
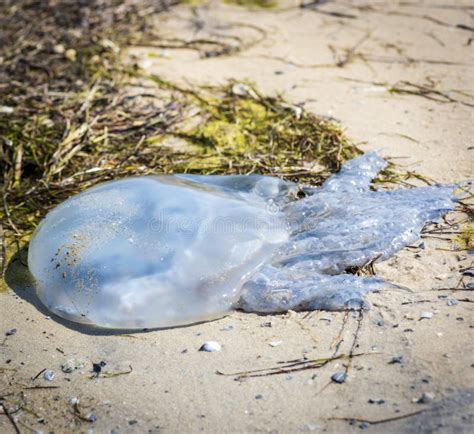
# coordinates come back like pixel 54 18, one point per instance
pixel 425 315
pixel 377 401
pixel 275 343
pixel 70 54
pixel 48 375
pixel 338 377
pixel 469 272
pixel 325 318
pixel 259 396
pixel 59 49
pixel 227 328
pixel 426 398
pixel 364 425
pixel 452 302
pixel 266 324
pixel 397 359
pixel 10 332
pixel 210 347
pixel 69 366
pixel 97 367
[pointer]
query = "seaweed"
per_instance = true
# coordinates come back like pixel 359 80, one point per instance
pixel 73 115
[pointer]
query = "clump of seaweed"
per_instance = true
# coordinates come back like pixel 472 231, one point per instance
pixel 465 239
pixel 74 115
pixel 254 4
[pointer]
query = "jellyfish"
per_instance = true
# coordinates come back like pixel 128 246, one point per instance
pixel 169 250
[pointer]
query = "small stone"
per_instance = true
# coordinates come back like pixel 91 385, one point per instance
pixel 470 285
pixel 425 315
pixel 91 418
pixel 71 54
pixel 10 332
pixel 377 401
pixel 259 396
pixel 339 377
pixel 68 366
pixel 426 398
pixel 49 375
pixel 132 422
pixel 73 401
pixel 275 343
pixel 364 425
pixel 227 328
pixel 468 272
pixel 397 359
pixel 266 324
pixel 325 318
pixel 240 89
pixel 451 302
pixel 380 323
pixel 59 49
pixel 97 367
pixel 210 347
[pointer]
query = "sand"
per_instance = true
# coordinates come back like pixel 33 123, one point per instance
pixel 173 387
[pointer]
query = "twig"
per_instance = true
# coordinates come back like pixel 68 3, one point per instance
pixel 354 342
pixel 292 366
pixel 10 418
pixel 38 374
pixel 378 421
pixel 336 343
pixel 40 387
pixel 3 252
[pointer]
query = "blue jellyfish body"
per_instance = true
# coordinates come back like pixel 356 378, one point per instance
pixel 160 251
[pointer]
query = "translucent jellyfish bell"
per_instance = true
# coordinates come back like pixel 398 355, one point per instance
pixel 161 251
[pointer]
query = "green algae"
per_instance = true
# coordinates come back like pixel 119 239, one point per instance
pixel 254 4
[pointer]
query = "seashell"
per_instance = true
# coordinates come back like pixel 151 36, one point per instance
pixel 210 347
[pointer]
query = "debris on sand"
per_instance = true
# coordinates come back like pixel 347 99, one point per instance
pixel 339 377
pixel 210 347
pixel 49 375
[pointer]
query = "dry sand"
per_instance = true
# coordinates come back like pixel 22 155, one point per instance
pixel 173 386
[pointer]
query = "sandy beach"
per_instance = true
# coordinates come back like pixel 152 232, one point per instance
pixel 398 76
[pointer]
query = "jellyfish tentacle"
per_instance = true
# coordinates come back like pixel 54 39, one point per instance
pixel 341 226
pixel 275 289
